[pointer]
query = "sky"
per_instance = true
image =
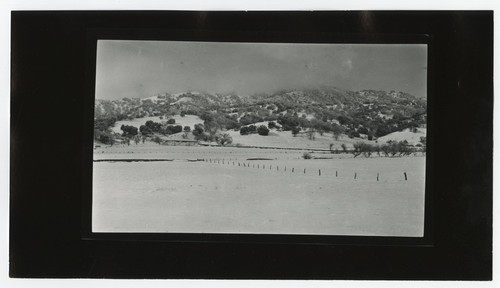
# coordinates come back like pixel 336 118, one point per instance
pixel 138 69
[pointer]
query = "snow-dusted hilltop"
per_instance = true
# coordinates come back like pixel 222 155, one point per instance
pixel 366 114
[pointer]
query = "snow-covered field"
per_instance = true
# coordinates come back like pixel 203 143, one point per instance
pixel 411 137
pixel 286 139
pixel 257 196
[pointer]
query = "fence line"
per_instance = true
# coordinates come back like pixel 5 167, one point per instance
pixel 224 162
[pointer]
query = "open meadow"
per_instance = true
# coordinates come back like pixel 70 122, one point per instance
pixel 279 193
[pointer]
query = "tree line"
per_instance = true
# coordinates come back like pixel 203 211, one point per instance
pixel 389 149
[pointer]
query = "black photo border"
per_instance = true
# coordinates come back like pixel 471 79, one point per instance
pixel 240 37
pixel 53 73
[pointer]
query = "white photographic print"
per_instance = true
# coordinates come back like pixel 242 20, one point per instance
pixel 260 138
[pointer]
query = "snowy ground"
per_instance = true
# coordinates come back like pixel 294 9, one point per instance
pixel 411 137
pixel 258 196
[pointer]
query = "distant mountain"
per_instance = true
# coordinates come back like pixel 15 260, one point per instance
pixel 329 96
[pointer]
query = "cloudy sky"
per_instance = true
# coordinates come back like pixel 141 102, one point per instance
pixel 138 69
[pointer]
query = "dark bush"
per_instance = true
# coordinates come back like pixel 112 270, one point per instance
pixel 362 130
pixel 295 131
pixel 262 130
pixel 353 134
pixel 343 120
pixel 198 130
pixel 288 121
pixel 145 130
pixel 129 130
pixel 104 123
pixel 232 125
pixel 172 129
pixel 106 138
pixel 250 119
pixel 244 131
pixel 307 155
pixel 153 126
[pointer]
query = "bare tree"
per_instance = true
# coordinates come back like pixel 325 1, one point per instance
pixel 311 133
pixel 224 139
pixel 344 147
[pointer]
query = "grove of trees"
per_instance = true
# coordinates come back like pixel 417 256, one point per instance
pixel 389 149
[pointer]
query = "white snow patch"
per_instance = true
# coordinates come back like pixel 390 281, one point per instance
pixel 411 137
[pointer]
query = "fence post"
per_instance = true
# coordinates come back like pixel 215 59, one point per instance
pixel 377 177
pixel 304 170
pixel 293 169
pixel 336 173
pixel 319 172
pixel 406 177
pixel 355 175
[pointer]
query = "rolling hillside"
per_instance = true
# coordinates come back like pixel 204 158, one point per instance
pixel 332 114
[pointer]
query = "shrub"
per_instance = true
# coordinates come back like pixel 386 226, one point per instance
pixel 288 122
pixel 232 125
pixel 250 119
pixel 244 131
pixel 224 139
pixel 129 130
pixel 145 130
pixel 106 138
pixel 362 130
pixel 157 140
pixel 153 126
pixel 307 155
pixel 104 123
pixel 187 129
pixel 171 121
pixel 262 130
pixel 353 134
pixel 202 136
pixel 198 130
pixel 271 125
